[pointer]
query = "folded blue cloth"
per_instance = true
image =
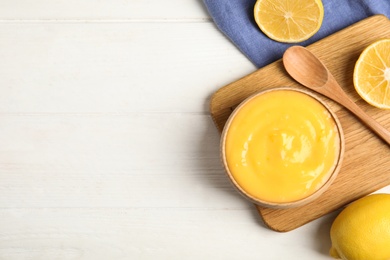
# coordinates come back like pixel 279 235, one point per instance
pixel 235 19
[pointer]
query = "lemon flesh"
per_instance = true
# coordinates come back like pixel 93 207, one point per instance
pixel 289 21
pixel 362 230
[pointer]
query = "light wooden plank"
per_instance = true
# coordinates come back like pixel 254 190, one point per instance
pixel 103 9
pixel 129 160
pixel 102 234
pixel 88 68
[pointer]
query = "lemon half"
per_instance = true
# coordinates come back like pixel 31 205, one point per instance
pixel 289 20
pixel 371 76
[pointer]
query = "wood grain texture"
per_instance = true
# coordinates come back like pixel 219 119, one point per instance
pixel 150 233
pixel 114 68
pixel 95 161
pixel 308 70
pixel 120 10
pixel 366 161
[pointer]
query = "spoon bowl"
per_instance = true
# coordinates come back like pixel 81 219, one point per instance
pixel 300 64
pixel 308 70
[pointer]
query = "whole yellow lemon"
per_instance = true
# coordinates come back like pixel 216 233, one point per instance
pixel 362 230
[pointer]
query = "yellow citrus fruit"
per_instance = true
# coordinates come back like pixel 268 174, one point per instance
pixel 289 20
pixel 371 75
pixel 362 230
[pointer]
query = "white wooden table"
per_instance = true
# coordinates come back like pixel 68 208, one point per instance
pixel 107 149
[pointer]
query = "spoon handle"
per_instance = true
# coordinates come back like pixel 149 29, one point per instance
pixel 370 122
pixel 344 100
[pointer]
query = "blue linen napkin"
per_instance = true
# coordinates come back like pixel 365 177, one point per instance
pixel 235 19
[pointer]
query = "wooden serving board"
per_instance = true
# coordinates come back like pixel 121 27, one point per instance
pixel 366 165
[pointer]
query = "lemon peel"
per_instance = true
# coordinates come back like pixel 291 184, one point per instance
pixel 362 230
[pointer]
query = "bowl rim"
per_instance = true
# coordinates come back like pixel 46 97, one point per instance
pixel 282 205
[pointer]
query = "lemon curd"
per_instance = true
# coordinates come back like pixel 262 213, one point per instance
pixel 281 146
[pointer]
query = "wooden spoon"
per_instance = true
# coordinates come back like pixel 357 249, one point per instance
pixel 308 70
